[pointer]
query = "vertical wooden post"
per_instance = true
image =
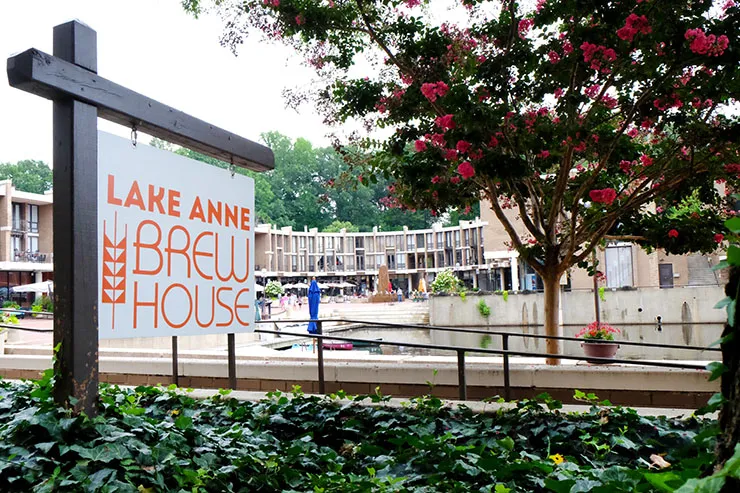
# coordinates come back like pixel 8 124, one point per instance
pixel 76 231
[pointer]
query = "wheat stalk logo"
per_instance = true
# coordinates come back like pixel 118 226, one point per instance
pixel 114 268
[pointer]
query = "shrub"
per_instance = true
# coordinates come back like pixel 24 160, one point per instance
pixel 274 289
pixel 446 282
pixel 11 305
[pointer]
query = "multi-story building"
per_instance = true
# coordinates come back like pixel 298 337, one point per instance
pixel 410 255
pixel 26 239
pixel 625 265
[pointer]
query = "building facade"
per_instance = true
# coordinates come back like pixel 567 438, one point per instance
pixel 410 255
pixel 26 240
pixel 625 265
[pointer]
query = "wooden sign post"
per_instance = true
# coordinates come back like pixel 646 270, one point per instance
pixel 80 96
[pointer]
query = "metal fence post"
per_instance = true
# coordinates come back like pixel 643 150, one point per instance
pixel 507 383
pixel 320 353
pixel 175 370
pixel 231 343
pixel 462 386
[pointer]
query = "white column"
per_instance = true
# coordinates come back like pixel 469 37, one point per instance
pixel 475 280
pixel 37 277
pixel 514 274
pixel 411 285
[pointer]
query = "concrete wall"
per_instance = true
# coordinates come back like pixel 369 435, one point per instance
pixel 633 312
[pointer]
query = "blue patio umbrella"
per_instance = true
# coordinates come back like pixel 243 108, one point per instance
pixel 314 298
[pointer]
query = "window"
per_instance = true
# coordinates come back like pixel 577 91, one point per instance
pixel 391 242
pixel 619 266
pixel 16 246
pixel 420 241
pixel 359 242
pixel 391 261
pixel 439 240
pixel 295 244
pixel 17 217
pixel 312 245
pixel 360 262
pixel 467 237
pixel 302 262
pixel 448 239
pixel 303 242
pixel 457 238
pixel 401 260
pixel 33 218
pixel 409 242
pixel 430 242
pixel 440 260
pixel 294 262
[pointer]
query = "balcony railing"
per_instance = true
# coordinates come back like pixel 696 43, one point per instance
pixel 29 256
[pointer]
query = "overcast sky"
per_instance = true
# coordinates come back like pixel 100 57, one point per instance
pixel 154 48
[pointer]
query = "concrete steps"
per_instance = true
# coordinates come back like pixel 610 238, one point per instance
pixel 700 271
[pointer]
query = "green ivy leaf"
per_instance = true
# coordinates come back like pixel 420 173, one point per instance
pixel 716 369
pixel 733 224
pixel 733 254
pixel 723 302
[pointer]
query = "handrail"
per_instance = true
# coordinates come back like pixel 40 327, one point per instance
pixel 461 350
pixel 495 332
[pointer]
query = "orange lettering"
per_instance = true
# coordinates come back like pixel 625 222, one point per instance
pixel 182 251
pixel 232 256
pixel 134 197
pixel 211 304
pixel 245 219
pixel 112 199
pixel 138 245
pixel 197 253
pixel 197 211
pixel 190 306
pixel 231 216
pixel 228 308
pixel 156 199
pixel 173 203
pixel 214 211
pixel 237 306
pixel 138 304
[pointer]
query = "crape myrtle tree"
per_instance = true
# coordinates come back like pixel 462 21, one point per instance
pixel 589 119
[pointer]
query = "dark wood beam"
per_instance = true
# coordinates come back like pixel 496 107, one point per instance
pixel 56 79
pixel 76 232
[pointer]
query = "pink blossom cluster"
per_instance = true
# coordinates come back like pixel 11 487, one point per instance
pixel 603 196
pixel 626 166
pixel 433 90
pixel 598 330
pixel 445 122
pixel 592 91
pixel 597 55
pixel 553 56
pixel 412 3
pixel 274 3
pixel 701 44
pixel 732 169
pixel 524 26
pixel 672 101
pixel 466 170
pixel 633 26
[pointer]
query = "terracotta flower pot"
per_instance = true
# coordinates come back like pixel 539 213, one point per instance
pixel 599 349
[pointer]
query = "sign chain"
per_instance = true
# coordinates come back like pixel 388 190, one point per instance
pixel 134 135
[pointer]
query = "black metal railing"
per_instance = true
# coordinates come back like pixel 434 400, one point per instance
pixel 460 351
pixel 505 352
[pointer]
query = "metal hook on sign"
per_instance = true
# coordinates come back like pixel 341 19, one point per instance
pixel 134 135
pixel 232 168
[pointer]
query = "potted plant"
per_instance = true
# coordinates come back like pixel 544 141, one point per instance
pixel 598 340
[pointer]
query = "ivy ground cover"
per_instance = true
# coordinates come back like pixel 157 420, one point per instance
pixel 160 439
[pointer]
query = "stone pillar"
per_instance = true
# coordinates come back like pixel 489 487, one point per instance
pixel 475 280
pixel 514 274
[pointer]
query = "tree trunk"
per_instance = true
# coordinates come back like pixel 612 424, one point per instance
pixel 552 315
pixel 729 417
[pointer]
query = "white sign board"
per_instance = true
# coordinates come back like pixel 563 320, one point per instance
pixel 176 244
